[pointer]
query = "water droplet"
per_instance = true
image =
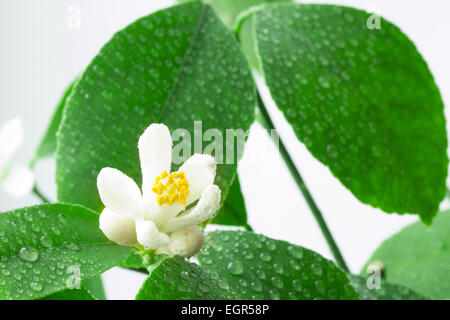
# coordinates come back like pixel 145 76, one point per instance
pixel 316 269
pixel 324 83
pixel 271 245
pixel 247 254
pixel 256 286
pixel 71 246
pixel 29 254
pixel 36 286
pixel 274 294
pixel 223 284
pixel 261 274
pixel 278 268
pixel 6 272
pixel 243 282
pixel 331 150
pixel 265 256
pixel 277 282
pixel 297 285
pixel 46 241
pixel 235 268
pixel 294 264
pixel 296 252
pixel 184 274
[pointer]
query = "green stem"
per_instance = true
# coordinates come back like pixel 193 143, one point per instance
pixel 304 189
pixel 40 195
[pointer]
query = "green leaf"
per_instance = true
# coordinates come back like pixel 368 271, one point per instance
pixel 48 248
pixel 135 262
pixel 173 67
pixel 387 291
pixel 74 294
pixel 362 100
pixel 418 257
pixel 263 268
pixel 47 146
pixel 228 10
pixel 243 265
pixel 233 212
pixel 95 287
pixel 179 279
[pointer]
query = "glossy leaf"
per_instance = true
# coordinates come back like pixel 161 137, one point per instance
pixel 228 10
pixel 263 268
pixel 244 265
pixel 386 291
pixel 419 257
pixel 179 279
pixel 95 287
pixel 47 146
pixel 134 262
pixel 74 294
pixel 233 212
pixel 175 66
pixel 363 101
pixel 48 248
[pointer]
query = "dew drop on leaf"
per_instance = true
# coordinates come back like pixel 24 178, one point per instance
pixel 297 285
pixel 265 256
pixel 184 274
pixel 236 268
pixel 296 252
pixel 223 284
pixel 36 286
pixel 46 241
pixel 29 254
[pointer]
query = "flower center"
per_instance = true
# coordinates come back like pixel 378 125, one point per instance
pixel 171 188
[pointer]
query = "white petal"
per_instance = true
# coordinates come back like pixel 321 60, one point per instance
pixel 155 153
pixel 205 209
pixel 11 137
pixel 160 214
pixel 118 227
pixel 186 242
pixel 18 181
pixel 200 170
pixel 119 193
pixel 149 236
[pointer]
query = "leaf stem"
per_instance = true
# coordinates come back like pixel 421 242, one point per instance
pixel 303 188
pixel 40 195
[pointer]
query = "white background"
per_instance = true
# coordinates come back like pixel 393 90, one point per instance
pixel 40 56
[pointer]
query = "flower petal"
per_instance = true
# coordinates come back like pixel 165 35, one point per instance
pixel 185 242
pixel 149 236
pixel 160 214
pixel 118 227
pixel 18 181
pixel 205 209
pixel 200 170
pixel 155 153
pixel 11 137
pixel 119 193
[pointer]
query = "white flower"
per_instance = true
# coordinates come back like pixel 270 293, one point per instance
pixel 164 216
pixel 16 180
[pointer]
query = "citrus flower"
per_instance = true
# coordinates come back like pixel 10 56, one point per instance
pixel 166 214
pixel 16 180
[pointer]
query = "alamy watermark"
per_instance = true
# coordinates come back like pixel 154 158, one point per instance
pixel 375 271
pixel 227 146
pixel 73 20
pixel 374 20
pixel 74 279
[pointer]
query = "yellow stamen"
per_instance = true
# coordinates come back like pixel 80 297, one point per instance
pixel 175 189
